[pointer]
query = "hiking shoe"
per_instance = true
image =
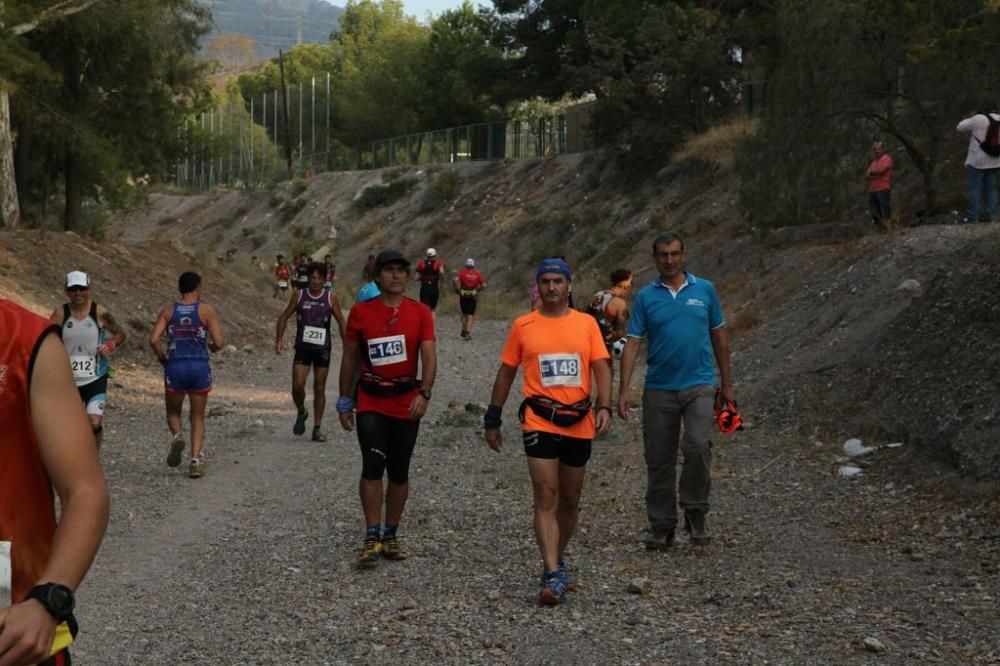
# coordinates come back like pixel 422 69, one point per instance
pixel 391 550
pixel 318 435
pixel 370 553
pixel 196 470
pixel 564 576
pixel 176 449
pixel 660 540
pixel 300 422
pixel 694 525
pixel 554 592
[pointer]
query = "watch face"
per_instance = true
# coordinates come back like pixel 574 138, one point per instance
pixel 60 599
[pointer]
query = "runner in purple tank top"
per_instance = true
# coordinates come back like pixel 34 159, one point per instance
pixel 313 307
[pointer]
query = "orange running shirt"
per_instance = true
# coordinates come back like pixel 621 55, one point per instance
pixel 555 354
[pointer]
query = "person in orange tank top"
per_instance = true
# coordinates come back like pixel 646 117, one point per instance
pixel 41 561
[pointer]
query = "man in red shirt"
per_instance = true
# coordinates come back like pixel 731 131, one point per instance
pixel 47 443
pixel 387 334
pixel 879 175
pixel 468 283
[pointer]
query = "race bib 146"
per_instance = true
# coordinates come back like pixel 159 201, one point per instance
pixel 560 369
pixel 388 350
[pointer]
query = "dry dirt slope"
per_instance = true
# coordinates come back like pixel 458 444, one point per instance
pixel 832 341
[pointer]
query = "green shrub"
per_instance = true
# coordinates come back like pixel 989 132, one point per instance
pixel 444 188
pixel 291 208
pixel 376 196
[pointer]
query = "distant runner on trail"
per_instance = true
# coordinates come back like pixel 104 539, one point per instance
pixel 387 334
pixel 558 349
pixel 609 309
pixel 331 272
pixel 313 307
pixel 468 283
pixel 429 272
pixel 681 317
pixel 282 276
pixel 368 271
pixel 193 330
pixel 300 277
pixel 90 334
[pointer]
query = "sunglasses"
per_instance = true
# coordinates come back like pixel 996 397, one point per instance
pixel 77 288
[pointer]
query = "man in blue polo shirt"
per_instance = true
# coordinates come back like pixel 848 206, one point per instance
pixel 681 316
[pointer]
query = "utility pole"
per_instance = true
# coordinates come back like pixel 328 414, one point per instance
pixel 284 97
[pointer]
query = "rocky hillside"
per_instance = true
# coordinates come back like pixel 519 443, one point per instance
pixel 841 331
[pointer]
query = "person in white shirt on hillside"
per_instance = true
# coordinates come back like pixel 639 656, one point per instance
pixel 980 168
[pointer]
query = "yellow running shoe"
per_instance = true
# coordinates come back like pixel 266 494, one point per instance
pixel 370 553
pixel 391 549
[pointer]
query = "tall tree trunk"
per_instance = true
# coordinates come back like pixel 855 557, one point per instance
pixel 10 214
pixel 22 154
pixel 74 188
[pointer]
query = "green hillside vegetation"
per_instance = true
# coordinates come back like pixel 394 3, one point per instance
pixel 115 101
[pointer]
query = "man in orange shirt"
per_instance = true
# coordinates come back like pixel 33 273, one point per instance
pixel 879 175
pixel 41 560
pixel 558 349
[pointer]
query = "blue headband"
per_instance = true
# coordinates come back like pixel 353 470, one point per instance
pixel 554 265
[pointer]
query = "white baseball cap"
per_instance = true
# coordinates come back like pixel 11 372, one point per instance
pixel 77 279
pixel 431 252
pixel 470 262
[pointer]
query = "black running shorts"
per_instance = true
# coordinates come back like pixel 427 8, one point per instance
pixel 468 304
pixel 571 451
pixel 318 358
pixel 429 295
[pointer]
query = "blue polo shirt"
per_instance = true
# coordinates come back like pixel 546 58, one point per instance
pixel 677 326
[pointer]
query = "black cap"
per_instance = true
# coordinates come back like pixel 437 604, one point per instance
pixel 390 257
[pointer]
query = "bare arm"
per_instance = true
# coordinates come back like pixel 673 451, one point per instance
pixel 720 346
pixel 348 366
pixel 338 315
pixel 501 389
pixel 57 316
pixel 279 334
pixel 158 329
pixel 428 373
pixel 66 445
pixel 110 324
pixel 629 356
pixel 211 318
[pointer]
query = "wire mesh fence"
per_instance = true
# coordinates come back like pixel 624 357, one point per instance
pixel 267 138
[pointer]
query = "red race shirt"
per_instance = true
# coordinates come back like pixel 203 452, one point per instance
pixel 390 343
pixel 470 279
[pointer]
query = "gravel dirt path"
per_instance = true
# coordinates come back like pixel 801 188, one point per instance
pixel 253 564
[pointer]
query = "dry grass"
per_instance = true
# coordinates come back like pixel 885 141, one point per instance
pixel 716 147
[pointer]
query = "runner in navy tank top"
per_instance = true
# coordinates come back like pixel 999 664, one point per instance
pixel 193 330
pixel 313 307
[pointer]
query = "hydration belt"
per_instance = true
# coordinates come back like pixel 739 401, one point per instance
pixel 386 386
pixel 555 411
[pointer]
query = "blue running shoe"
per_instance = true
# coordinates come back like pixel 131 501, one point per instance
pixel 554 592
pixel 563 574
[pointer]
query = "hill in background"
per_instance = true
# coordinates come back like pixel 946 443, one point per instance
pixel 248 31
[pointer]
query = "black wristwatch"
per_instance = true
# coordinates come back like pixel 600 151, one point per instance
pixel 57 599
pixel 426 393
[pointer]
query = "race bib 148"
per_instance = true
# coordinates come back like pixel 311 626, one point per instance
pixel 560 369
